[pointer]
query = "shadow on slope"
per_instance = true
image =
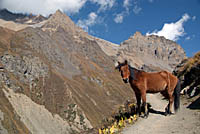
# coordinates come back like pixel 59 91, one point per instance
pixel 195 104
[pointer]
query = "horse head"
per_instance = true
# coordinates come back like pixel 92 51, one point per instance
pixel 124 69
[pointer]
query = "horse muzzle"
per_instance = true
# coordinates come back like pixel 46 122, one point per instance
pixel 125 80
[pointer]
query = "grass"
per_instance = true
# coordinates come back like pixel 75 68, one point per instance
pixel 192 61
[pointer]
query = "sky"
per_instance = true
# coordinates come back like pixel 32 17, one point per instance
pixel 117 20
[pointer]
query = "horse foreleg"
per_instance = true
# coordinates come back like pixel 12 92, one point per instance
pixel 144 104
pixel 138 97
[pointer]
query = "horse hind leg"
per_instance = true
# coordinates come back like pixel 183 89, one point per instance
pixel 144 104
pixel 168 109
pixel 171 99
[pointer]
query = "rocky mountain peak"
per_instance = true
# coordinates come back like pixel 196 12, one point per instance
pixel 58 15
pixel 137 34
pixel 151 51
pixel 60 20
pixel 58 12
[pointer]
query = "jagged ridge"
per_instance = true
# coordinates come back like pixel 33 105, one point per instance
pixel 151 53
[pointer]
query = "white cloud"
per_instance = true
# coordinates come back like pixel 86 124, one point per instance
pixel 194 18
pixel 188 38
pixel 104 4
pixel 137 9
pixel 127 4
pixel 191 37
pixel 119 18
pixel 90 21
pixel 172 31
pixel 44 7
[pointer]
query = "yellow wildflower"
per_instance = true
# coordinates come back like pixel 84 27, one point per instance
pixel 121 123
pixel 107 130
pixel 112 129
pixel 115 124
pixel 135 117
pixel 130 120
pixel 104 131
pixel 125 118
pixel 100 132
pixel 131 105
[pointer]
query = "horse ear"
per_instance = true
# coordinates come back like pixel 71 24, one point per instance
pixel 117 65
pixel 126 62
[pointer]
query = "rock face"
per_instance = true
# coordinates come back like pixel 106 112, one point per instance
pixel 55 78
pixel 151 53
pixel 188 72
pixel 109 48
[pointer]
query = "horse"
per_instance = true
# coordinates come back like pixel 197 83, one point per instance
pixel 144 82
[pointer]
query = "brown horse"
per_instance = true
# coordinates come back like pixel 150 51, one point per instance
pixel 144 82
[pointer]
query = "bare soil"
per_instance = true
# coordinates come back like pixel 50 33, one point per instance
pixel 186 121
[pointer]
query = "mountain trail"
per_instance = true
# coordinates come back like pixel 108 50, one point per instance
pixel 186 121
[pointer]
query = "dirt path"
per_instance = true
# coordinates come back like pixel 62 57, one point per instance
pixel 186 121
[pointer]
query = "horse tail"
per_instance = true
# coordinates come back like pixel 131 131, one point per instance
pixel 177 91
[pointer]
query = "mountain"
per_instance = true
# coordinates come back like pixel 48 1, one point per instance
pixel 55 78
pixel 151 53
pixel 8 16
pixel 20 18
pixel 18 22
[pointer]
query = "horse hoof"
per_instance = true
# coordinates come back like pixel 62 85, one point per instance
pixel 170 113
pixel 146 116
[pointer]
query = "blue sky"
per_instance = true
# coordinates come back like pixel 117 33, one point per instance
pixel 117 20
pixel 150 16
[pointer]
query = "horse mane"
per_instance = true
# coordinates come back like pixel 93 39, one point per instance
pixel 132 71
